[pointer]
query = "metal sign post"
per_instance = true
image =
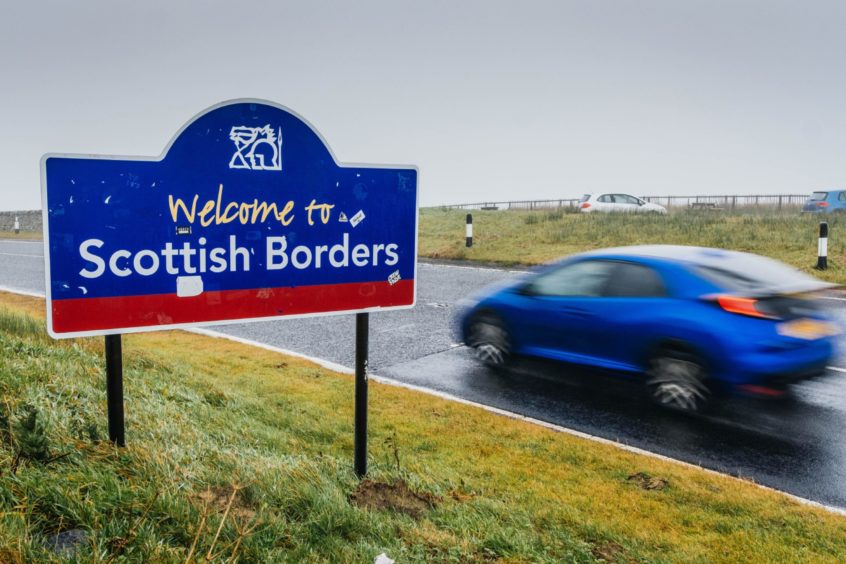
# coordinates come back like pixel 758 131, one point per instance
pixel 245 216
pixel 361 345
pixel 114 389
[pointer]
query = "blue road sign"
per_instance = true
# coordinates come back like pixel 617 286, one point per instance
pixel 245 216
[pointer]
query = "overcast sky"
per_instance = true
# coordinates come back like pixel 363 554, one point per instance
pixel 491 100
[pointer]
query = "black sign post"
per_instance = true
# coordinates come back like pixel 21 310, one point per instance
pixel 114 389
pixel 361 344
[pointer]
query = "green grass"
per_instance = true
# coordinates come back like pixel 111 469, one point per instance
pixel 513 237
pixel 206 418
pixel 27 235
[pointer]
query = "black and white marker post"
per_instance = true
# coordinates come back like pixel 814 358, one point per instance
pixel 361 344
pixel 114 389
pixel 822 247
pixel 469 229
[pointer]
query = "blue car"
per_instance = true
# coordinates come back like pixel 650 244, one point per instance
pixel 688 321
pixel 831 201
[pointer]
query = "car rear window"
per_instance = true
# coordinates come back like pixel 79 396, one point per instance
pixel 818 196
pixel 585 198
pixel 754 275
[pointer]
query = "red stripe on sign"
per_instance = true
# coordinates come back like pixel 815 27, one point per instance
pixel 98 314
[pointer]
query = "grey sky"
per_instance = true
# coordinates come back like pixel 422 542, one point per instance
pixel 492 100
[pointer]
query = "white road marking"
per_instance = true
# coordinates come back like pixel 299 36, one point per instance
pixel 831 298
pixel 21 292
pixel 21 255
pixel 485 268
pixel 329 365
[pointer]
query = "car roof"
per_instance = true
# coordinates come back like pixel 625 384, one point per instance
pixel 696 255
pixel 767 274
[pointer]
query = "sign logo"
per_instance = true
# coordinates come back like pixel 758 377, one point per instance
pixel 256 148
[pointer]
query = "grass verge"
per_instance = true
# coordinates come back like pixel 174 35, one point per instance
pixel 526 238
pixel 235 452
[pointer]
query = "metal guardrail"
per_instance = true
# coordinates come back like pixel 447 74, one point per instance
pixel 731 202
pixel 728 202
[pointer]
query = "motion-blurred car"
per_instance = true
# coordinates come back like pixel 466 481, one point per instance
pixel 688 322
pixel 831 201
pixel 617 203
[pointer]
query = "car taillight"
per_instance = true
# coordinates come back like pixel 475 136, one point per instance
pixel 742 306
pixel 822 204
pixel 585 205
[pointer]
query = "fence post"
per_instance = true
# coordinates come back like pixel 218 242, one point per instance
pixel 822 247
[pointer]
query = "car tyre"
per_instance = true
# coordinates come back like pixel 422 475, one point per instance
pixel 490 340
pixel 678 380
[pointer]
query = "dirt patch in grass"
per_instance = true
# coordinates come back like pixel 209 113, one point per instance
pixel 217 498
pixel 609 551
pixel 396 497
pixel 647 482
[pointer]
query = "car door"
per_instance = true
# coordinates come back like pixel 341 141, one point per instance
pixel 630 315
pixel 558 310
pixel 605 203
pixel 626 203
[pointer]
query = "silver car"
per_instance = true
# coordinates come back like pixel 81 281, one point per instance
pixel 625 203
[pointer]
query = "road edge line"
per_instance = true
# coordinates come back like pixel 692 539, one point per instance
pixel 10 290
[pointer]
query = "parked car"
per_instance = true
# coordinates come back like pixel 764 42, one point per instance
pixel 617 203
pixel 830 201
pixel 689 322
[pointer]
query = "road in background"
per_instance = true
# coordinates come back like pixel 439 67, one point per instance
pixel 796 445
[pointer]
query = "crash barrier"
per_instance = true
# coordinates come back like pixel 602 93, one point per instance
pixel 777 201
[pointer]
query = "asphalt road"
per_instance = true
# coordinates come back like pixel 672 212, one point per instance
pixel 796 445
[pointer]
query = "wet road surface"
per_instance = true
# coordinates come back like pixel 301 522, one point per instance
pixel 797 445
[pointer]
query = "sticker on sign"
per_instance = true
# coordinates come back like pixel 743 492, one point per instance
pixel 357 218
pixel 239 219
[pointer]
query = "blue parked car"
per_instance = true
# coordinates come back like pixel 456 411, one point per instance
pixel 687 321
pixel 831 201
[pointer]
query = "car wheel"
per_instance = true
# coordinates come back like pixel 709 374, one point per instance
pixel 677 380
pixel 490 340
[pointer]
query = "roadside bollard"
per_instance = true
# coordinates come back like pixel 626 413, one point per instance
pixel 17 225
pixel 469 229
pixel 822 247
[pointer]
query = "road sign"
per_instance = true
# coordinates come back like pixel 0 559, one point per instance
pixel 245 216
